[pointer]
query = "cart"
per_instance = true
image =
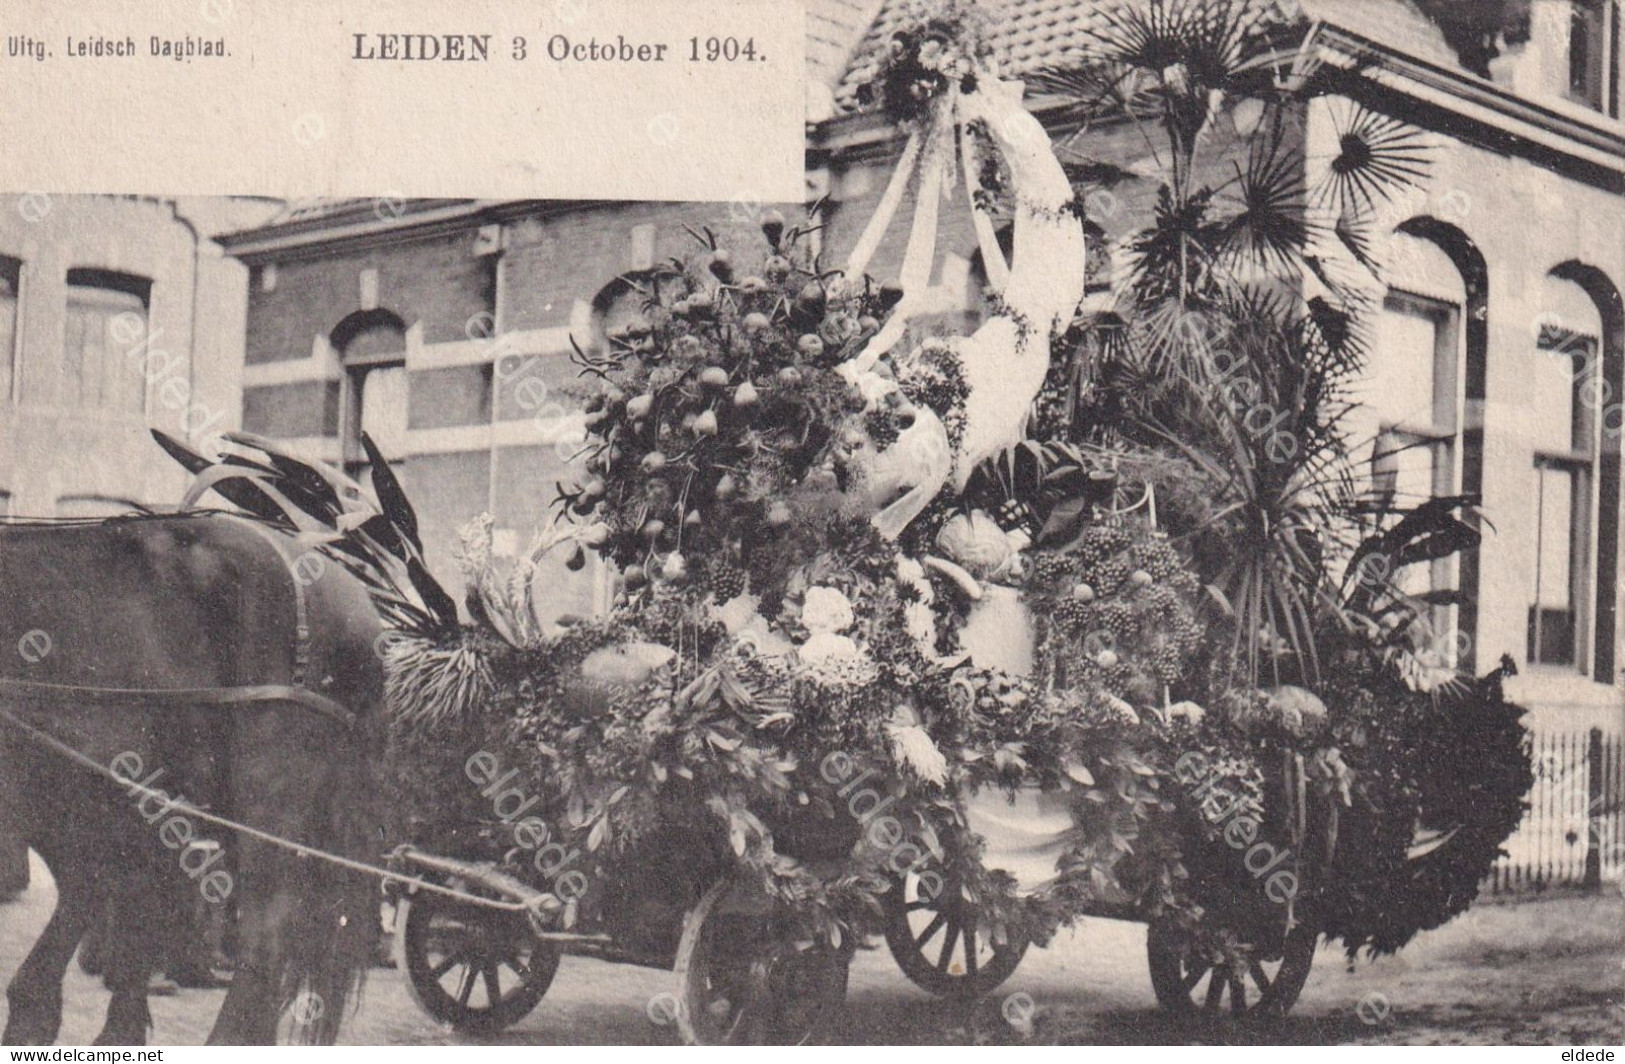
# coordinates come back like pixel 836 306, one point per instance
pixel 1241 962
pixel 482 960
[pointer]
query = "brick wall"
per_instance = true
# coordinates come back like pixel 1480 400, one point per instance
pixel 550 262
pixel 438 282
pixel 303 408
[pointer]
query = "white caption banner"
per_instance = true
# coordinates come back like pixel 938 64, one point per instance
pixel 567 99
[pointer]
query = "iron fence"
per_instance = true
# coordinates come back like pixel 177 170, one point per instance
pixel 1573 835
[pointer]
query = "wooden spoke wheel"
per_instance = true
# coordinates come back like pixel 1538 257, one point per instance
pixel 479 970
pixel 1216 976
pixel 940 945
pixel 742 982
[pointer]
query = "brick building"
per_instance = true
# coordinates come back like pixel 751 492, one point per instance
pixel 443 327
pixel 117 314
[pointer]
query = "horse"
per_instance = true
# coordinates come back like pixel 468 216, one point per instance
pixel 160 670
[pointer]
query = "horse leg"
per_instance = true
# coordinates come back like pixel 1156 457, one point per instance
pixel 143 906
pixel 35 993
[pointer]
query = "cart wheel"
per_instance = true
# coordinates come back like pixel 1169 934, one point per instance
pixel 742 982
pixel 938 945
pixel 479 970
pixel 1190 977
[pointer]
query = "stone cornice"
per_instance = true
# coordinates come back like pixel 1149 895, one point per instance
pixel 379 223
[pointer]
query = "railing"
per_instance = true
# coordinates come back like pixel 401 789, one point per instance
pixel 1573 835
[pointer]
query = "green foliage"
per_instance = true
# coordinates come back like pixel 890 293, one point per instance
pixel 1424 827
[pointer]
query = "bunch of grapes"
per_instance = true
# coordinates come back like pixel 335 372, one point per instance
pixel 1120 610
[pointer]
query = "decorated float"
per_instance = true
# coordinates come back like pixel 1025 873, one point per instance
pixel 950 639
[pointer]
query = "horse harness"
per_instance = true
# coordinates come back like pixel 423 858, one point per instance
pixel 297 691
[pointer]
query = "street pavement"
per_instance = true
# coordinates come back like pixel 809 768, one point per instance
pixel 1539 972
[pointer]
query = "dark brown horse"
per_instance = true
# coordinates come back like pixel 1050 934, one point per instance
pixel 190 605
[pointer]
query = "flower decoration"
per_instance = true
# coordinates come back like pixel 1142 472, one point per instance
pixel 826 610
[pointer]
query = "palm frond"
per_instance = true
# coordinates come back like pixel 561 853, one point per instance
pixel 330 512
pixel 1270 229
pixel 1352 233
pixel 1377 156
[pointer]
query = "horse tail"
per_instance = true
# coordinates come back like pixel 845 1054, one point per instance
pixel 333 933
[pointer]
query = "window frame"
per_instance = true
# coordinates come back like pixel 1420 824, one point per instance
pixel 110 283
pixel 1441 434
pixel 356 372
pixel 16 269
pixel 1600 19
pixel 1582 460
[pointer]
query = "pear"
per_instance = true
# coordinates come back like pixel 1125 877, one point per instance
pixel 812 299
pixel 772 226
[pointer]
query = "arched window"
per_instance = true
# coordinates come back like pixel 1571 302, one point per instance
pixel 1424 375
pixel 105 345
pixel 620 302
pixel 11 273
pixel 1576 377
pixel 1413 375
pixel 372 347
